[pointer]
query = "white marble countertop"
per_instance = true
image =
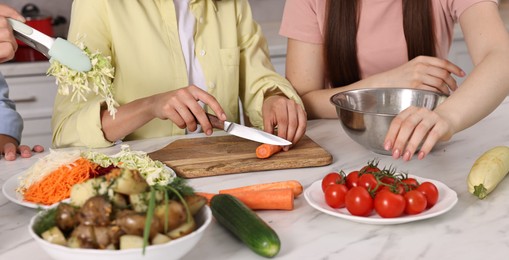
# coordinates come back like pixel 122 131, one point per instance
pixel 473 229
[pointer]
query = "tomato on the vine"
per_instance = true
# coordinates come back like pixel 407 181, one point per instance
pixel 388 180
pixel 335 195
pixel 358 201
pixel 415 202
pixel 395 188
pixel 388 204
pixel 371 167
pixel 351 179
pixel 368 181
pixel 430 191
pixel 331 178
pixel 411 183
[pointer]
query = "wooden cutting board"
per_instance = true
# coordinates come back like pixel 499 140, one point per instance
pixel 218 155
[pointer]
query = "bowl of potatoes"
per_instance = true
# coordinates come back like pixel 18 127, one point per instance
pixel 106 219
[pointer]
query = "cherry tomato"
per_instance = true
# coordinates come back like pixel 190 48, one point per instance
pixel 368 181
pixel 335 195
pixel 388 204
pixel 388 180
pixel 430 191
pixel 415 202
pixel 411 183
pixel 358 201
pixel 331 178
pixel 351 179
pixel 398 189
pixel 371 167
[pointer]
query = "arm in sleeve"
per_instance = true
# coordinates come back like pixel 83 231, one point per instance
pixel 11 123
pixel 258 79
pixel 79 124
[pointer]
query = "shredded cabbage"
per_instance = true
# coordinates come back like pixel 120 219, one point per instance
pixel 98 80
pixel 154 172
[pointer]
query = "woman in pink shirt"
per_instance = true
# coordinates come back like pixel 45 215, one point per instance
pixel 350 44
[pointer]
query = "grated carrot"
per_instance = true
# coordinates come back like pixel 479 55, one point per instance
pixel 56 186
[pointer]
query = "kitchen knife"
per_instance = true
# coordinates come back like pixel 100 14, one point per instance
pixel 247 132
pixel 59 49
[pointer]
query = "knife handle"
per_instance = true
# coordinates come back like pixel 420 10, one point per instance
pixel 215 122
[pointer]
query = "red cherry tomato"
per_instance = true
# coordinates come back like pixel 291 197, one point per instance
pixel 331 178
pixel 388 204
pixel 398 189
pixel 368 181
pixel 430 191
pixel 351 179
pixel 388 180
pixel 335 195
pixel 415 202
pixel 411 183
pixel 371 167
pixel 358 201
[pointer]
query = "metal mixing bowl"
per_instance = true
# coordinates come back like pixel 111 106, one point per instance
pixel 366 114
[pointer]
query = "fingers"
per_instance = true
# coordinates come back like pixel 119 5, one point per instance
pixel 38 148
pixel 183 108
pixel 289 117
pixel 440 79
pixel 10 152
pixel 25 151
pixel 413 127
pixel 437 73
pixel 7 11
pixel 8 45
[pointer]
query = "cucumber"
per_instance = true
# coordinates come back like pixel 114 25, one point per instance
pixel 245 224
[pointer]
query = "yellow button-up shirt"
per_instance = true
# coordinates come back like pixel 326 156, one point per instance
pixel 142 39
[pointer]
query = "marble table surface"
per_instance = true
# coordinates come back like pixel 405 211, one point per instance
pixel 472 229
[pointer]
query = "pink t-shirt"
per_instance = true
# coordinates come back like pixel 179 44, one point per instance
pixel 380 38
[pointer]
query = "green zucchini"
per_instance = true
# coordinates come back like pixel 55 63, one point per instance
pixel 245 224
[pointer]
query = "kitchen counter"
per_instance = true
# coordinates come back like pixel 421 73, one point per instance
pixel 473 229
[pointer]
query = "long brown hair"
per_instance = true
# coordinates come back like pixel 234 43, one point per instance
pixel 341 36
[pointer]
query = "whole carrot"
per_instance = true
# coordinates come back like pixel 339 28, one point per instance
pixel 281 199
pixel 294 185
pixel 264 151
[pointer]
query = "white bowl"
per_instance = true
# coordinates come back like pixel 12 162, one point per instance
pixel 174 249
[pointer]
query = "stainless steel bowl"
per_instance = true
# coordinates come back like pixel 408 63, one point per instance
pixel 366 114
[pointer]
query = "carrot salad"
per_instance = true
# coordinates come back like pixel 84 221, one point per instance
pixel 56 186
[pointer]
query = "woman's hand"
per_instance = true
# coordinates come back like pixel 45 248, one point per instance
pixel 285 114
pixel 8 45
pixel 423 72
pixel 9 148
pixel 181 106
pixel 413 126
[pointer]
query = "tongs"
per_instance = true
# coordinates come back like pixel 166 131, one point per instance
pixel 59 49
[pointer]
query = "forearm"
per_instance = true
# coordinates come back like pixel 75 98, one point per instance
pixel 481 92
pixel 128 118
pixel 317 102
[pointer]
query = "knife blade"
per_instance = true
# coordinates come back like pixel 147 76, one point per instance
pixel 59 49
pixel 247 132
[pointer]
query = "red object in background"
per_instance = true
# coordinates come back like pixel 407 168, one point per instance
pixel 40 22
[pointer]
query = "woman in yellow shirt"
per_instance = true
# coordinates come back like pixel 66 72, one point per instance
pixel 174 60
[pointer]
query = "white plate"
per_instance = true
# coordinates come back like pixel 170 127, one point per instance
pixel 9 190
pixel 447 198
